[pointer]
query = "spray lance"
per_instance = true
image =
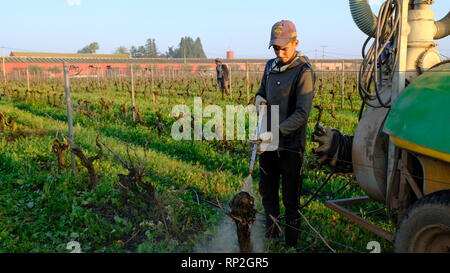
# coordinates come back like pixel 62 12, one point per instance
pixel 242 204
pixel 249 181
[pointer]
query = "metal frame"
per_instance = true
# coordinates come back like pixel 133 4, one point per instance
pixel 406 177
pixel 337 206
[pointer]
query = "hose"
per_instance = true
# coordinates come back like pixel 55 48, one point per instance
pixel 442 27
pixel 363 16
pixel 381 58
pixel 316 193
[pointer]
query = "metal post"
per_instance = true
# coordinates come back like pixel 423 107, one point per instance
pixel 357 76
pixel 153 88
pixel 69 116
pixel 164 78
pixel 98 76
pixel 399 79
pixel 38 78
pixel 230 79
pixel 343 86
pixel 4 70
pixel 133 101
pixel 246 82
pixel 323 58
pixel 337 206
pixel 28 79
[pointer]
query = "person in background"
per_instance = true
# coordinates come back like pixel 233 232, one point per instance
pixel 223 77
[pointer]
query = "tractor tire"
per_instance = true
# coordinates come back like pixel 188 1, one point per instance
pixel 425 227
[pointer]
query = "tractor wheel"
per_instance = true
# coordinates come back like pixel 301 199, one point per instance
pixel 425 227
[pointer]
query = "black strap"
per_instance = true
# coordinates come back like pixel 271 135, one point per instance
pixel 268 67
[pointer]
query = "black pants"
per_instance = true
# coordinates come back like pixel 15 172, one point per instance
pixel 224 87
pixel 287 165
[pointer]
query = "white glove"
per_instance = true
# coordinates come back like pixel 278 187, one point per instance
pixel 266 140
pixel 259 101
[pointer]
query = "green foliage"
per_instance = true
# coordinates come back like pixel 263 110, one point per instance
pixel 138 52
pixel 187 48
pixel 122 50
pixel 90 49
pixel 149 50
pixel 42 208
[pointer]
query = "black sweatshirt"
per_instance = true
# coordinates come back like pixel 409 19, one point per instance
pixel 293 90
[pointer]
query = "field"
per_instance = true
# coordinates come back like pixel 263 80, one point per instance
pixel 166 205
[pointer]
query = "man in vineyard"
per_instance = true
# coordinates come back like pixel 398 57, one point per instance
pixel 223 77
pixel 288 82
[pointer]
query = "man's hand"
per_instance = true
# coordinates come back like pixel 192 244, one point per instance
pixel 327 151
pixel 265 139
pixel 259 101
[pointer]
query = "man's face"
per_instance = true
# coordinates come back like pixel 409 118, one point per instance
pixel 287 52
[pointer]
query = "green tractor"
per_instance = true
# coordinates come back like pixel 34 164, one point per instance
pixel 400 153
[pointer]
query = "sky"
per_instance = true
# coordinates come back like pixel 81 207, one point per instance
pixel 239 25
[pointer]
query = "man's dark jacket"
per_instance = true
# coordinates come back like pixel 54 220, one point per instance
pixel 223 74
pixel 293 90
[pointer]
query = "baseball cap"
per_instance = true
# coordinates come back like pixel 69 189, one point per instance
pixel 282 33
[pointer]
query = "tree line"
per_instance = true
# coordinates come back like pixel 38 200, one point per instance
pixel 187 48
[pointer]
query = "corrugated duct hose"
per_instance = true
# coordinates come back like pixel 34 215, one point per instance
pixel 363 16
pixel 443 27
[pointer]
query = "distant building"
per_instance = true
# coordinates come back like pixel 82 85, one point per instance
pixel 67 55
pixel 50 64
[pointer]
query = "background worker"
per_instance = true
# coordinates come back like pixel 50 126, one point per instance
pixel 288 82
pixel 223 77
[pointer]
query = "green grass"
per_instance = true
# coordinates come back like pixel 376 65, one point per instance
pixel 42 208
